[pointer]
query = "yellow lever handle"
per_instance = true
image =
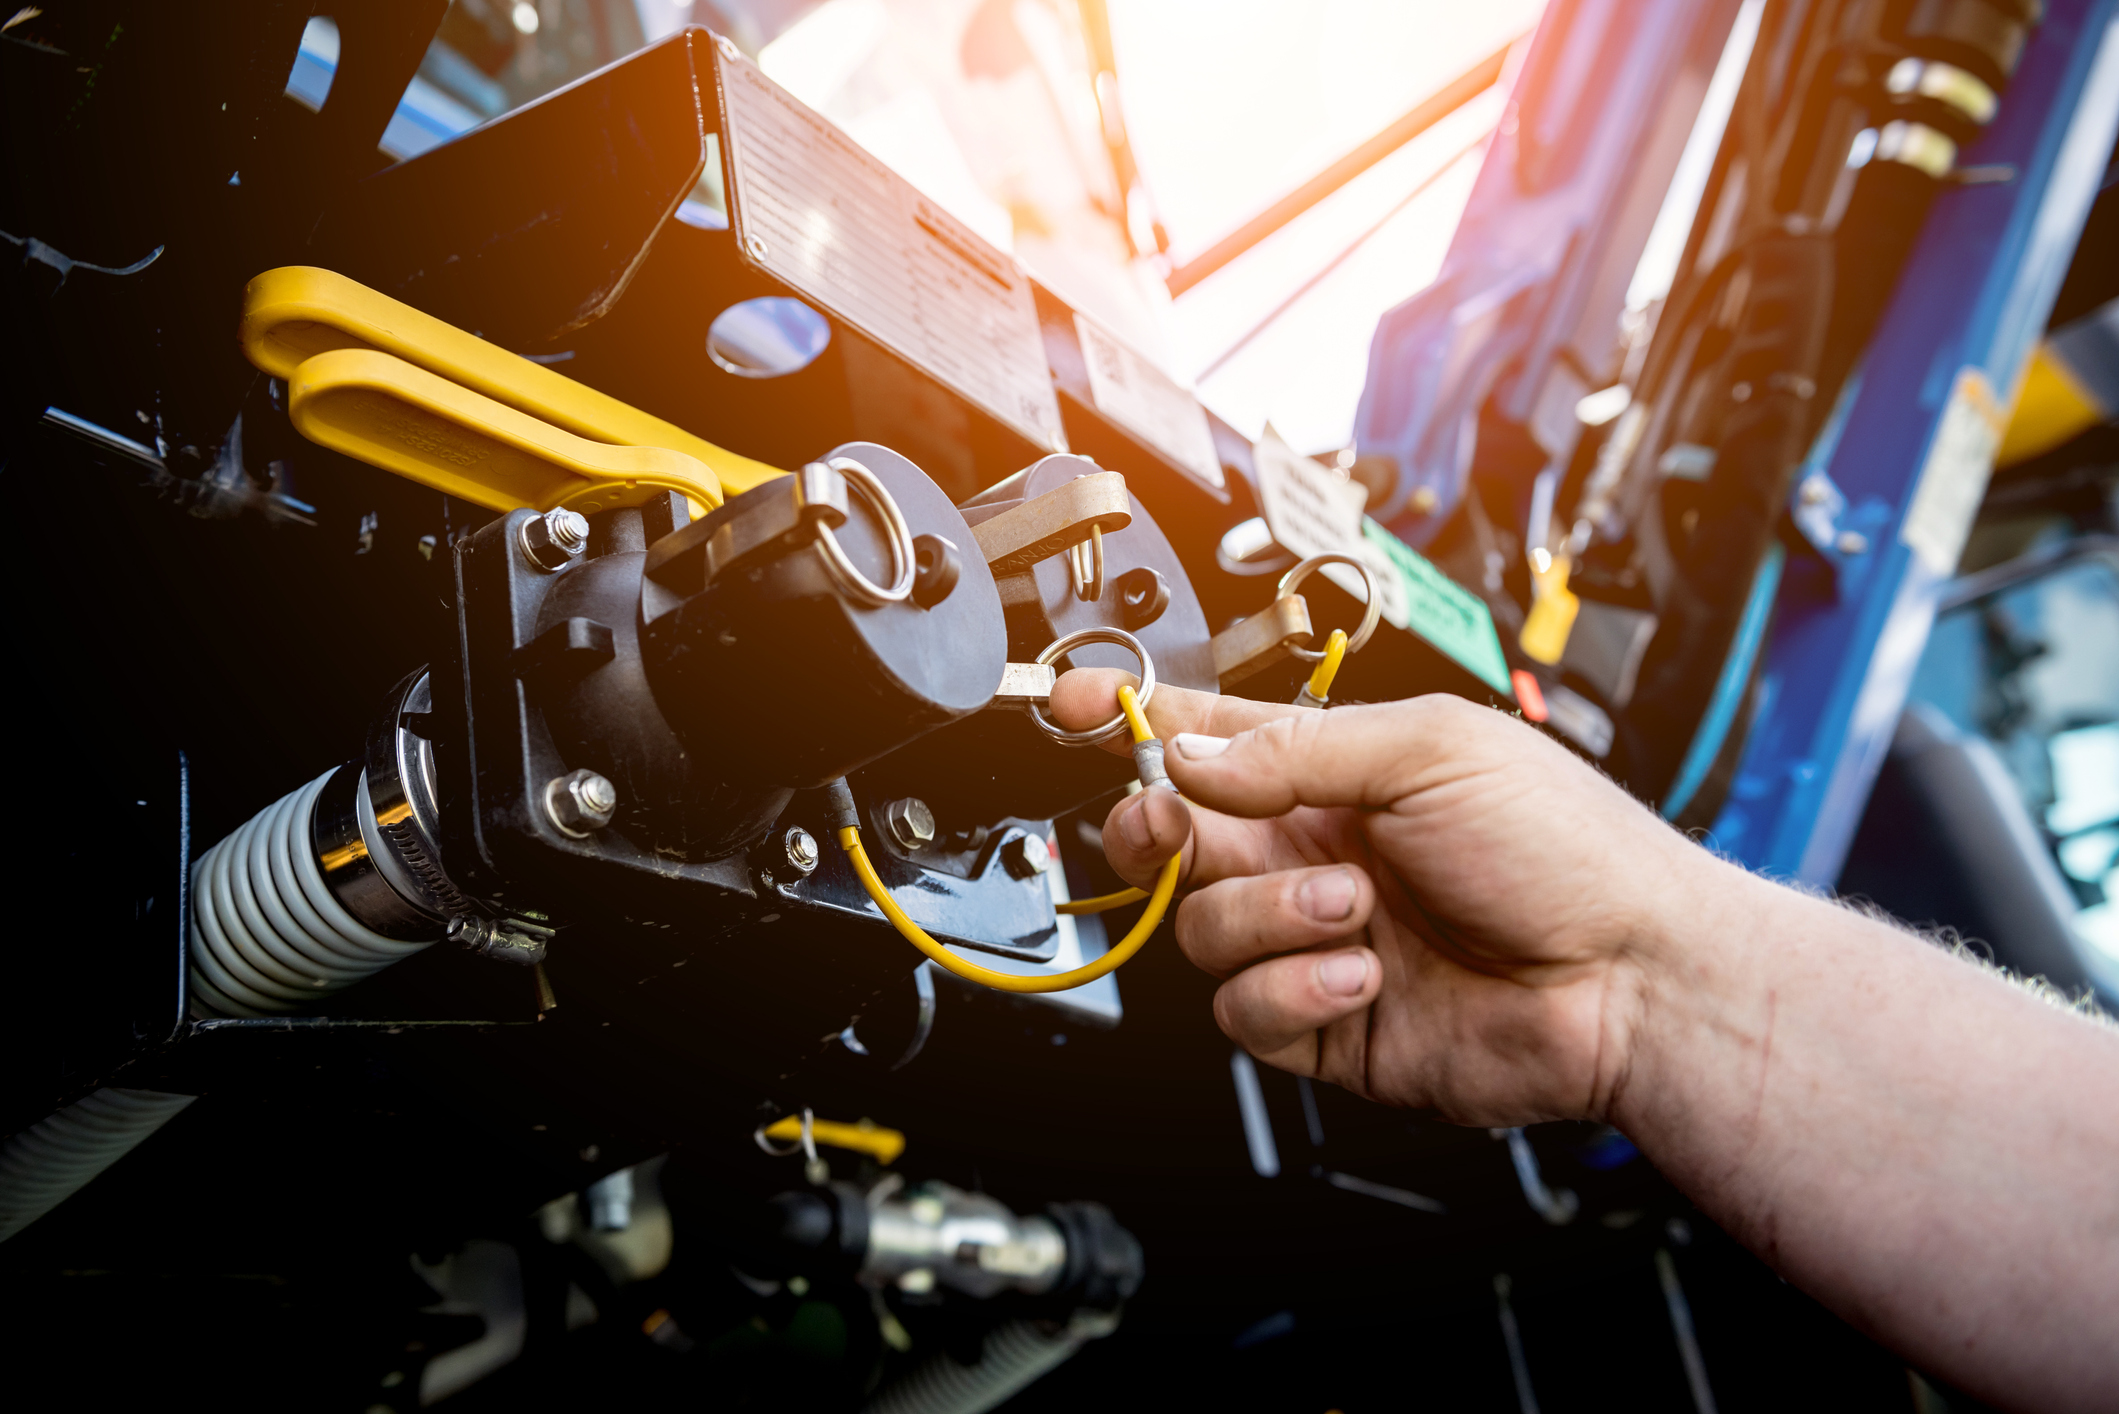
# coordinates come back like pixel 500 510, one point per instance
pixel 387 413
pixel 294 313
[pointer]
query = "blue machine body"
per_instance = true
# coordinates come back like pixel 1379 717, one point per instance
pixel 1521 322
pixel 1969 307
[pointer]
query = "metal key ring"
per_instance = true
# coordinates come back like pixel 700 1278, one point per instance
pixel 1369 614
pixel 903 557
pixel 1081 638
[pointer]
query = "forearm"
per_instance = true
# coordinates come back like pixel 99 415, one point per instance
pixel 1925 1148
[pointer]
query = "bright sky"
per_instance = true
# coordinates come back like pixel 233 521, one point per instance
pixel 1232 103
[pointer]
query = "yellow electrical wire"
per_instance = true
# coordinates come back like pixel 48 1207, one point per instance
pixel 1320 683
pixel 1151 916
pixel 1101 903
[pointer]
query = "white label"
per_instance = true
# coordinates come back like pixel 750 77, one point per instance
pixel 1954 479
pixel 1313 510
pixel 1148 403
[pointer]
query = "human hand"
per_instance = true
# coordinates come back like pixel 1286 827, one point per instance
pixel 1426 902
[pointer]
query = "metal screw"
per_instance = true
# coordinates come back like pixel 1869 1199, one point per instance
pixel 801 848
pixel 910 822
pixel 1851 542
pixel 757 247
pixel 580 802
pixel 555 539
pixel 1026 856
pixel 1814 491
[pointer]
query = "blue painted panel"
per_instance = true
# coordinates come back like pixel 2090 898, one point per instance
pixel 1974 296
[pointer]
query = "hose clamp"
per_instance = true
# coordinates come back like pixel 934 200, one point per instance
pixel 903 556
pixel 1082 638
pixel 1293 579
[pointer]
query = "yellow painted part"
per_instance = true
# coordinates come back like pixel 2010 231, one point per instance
pixel 383 411
pixel 2051 408
pixel 297 311
pixel 866 1137
pixel 1326 670
pixel 1552 615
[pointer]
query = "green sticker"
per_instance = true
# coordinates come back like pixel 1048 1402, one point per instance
pixel 1444 612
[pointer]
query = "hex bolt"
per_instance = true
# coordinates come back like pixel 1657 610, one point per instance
pixel 555 539
pixel 580 802
pixel 910 822
pixel 1026 856
pixel 801 847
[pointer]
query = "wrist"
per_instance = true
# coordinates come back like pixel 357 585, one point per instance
pixel 1694 1013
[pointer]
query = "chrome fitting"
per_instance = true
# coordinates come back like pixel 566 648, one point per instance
pixel 801 851
pixel 555 539
pixel 910 822
pixel 1025 856
pixel 580 802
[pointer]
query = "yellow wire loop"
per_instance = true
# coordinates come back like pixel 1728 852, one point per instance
pixel 1150 918
pixel 1334 654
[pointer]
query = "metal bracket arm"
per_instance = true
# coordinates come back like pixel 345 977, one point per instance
pixel 1019 537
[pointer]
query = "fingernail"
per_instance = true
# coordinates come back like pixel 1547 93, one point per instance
pixel 1344 974
pixel 1327 897
pixel 1194 747
pixel 1133 824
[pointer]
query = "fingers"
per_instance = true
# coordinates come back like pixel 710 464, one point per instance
pixel 1276 1009
pixel 1145 829
pixel 1086 696
pixel 1232 924
pixel 1365 757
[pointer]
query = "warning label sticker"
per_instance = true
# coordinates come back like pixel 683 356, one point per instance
pixel 1954 478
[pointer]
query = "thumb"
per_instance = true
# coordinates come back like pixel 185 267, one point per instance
pixel 1363 757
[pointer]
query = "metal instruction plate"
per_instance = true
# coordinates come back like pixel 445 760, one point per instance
pixel 1148 403
pixel 821 213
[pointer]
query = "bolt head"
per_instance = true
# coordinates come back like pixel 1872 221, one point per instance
pixel 580 802
pixel 910 822
pixel 801 848
pixel 1851 542
pixel 1813 491
pixel 1026 856
pixel 555 539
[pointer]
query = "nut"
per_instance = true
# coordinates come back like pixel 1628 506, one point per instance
pixel 580 802
pixel 1026 856
pixel 801 847
pixel 555 539
pixel 910 822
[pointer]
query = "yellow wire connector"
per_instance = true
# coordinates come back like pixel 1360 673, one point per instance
pixel 849 834
pixel 1318 690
